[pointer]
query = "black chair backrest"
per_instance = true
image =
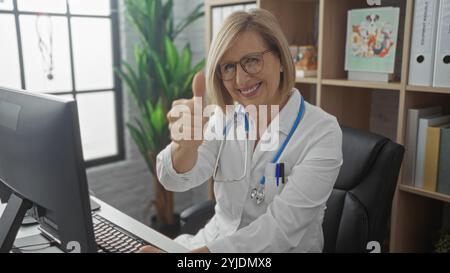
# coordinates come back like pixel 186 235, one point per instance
pixel 359 206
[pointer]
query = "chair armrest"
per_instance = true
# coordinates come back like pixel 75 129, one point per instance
pixel 195 217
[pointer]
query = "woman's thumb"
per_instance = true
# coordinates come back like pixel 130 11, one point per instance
pixel 198 84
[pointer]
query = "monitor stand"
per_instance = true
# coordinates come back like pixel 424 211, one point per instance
pixel 11 220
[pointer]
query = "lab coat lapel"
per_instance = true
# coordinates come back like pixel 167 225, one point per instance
pixel 276 133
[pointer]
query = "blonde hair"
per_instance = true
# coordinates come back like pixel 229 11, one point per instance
pixel 261 22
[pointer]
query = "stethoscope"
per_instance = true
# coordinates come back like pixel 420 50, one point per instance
pixel 257 192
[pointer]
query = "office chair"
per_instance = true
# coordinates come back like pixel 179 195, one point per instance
pixel 360 203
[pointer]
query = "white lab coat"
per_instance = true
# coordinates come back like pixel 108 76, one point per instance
pixel 290 218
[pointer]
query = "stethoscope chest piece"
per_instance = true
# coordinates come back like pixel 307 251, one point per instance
pixel 258 193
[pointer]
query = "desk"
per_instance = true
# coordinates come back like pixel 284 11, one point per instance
pixel 125 222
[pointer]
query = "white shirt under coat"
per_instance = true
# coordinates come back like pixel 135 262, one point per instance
pixel 290 218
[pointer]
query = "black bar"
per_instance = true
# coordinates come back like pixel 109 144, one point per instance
pixel 102 161
pixel 115 35
pixel 11 220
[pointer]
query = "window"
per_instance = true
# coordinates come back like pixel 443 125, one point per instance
pixel 68 48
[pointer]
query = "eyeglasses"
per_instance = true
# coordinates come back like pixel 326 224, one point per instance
pixel 252 64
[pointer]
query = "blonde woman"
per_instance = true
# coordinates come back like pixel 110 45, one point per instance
pixel 268 199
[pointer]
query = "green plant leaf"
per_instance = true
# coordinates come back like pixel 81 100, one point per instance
pixel 186 58
pixel 137 136
pixel 160 72
pixel 158 119
pixel 171 54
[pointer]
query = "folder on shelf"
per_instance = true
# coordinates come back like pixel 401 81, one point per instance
pixel 412 127
pixel 430 172
pixel 442 59
pixel 443 183
pixel 424 123
pixel 423 40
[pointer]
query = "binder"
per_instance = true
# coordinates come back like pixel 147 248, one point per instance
pixel 443 184
pixel 431 164
pixel 424 123
pixel 442 61
pixel 423 43
pixel 412 128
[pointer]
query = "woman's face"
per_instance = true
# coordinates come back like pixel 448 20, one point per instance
pixel 261 88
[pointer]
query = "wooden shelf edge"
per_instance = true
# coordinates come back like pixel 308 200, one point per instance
pixel 428 89
pixel 425 193
pixel 306 80
pixel 395 86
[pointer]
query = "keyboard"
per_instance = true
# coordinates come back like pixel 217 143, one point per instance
pixel 110 238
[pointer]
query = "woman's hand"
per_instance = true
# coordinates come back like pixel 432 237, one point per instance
pixel 150 249
pixel 201 250
pixel 182 110
pixel 184 151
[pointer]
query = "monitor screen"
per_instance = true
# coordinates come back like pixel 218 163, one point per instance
pixel 41 160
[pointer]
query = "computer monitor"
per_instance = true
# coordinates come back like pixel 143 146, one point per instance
pixel 41 165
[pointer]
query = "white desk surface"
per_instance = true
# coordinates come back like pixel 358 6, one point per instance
pixel 124 221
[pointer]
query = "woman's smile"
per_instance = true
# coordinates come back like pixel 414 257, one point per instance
pixel 250 91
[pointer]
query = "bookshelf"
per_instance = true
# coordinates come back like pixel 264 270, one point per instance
pixel 416 214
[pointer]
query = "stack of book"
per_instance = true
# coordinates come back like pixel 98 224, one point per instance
pixel 427 160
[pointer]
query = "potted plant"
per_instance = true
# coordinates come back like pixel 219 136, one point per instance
pixel 161 74
pixel 442 244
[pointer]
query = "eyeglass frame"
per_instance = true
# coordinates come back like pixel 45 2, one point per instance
pixel 242 65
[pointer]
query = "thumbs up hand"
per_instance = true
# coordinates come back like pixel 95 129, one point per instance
pixel 186 119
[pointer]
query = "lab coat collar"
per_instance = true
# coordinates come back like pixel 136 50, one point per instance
pixel 289 112
pixel 286 118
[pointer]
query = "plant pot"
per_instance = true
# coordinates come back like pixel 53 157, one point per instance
pixel 170 230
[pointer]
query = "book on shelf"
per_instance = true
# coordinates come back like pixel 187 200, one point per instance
pixel 371 43
pixel 412 128
pixel 431 164
pixel 424 123
pixel 305 60
pixel 443 181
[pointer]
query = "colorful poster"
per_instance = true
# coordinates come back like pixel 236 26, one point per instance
pixel 372 39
